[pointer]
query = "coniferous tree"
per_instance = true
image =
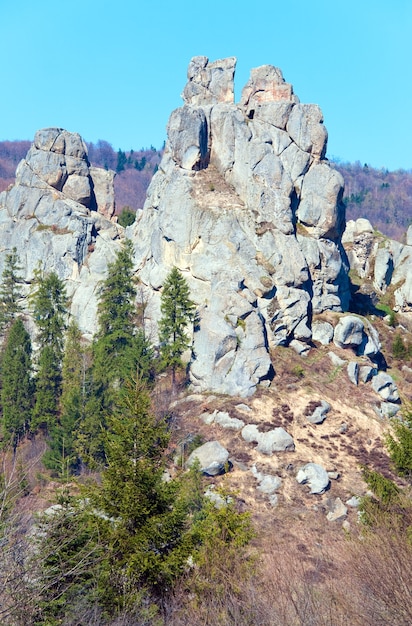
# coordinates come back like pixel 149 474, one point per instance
pixel 10 290
pixel 49 304
pixel 177 311
pixel 62 455
pixel 120 350
pixel 17 383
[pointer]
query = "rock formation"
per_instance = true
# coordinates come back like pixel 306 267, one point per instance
pixel 246 206
pixel 57 217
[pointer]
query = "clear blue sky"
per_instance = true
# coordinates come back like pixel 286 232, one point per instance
pixel 115 70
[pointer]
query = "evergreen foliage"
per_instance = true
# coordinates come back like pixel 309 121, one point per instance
pixel 10 292
pixel 400 444
pixel 121 547
pixel 177 311
pixel 399 349
pixel 17 383
pixel 49 304
pixel 121 351
pixel 62 455
pixel 126 217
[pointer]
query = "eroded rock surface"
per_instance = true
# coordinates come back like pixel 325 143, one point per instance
pixel 56 217
pixel 246 206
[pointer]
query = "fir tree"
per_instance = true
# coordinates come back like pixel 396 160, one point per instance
pixel 10 291
pixel 120 351
pixel 177 311
pixel 17 384
pixel 150 540
pixel 62 454
pixel 49 303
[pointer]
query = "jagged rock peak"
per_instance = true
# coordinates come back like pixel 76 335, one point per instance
pixel 246 206
pixel 58 216
pixel 209 83
pixel 58 159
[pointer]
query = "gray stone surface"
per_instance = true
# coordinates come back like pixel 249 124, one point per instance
pixel 353 372
pixel 315 476
pixel 385 386
pixel 275 440
pixel 349 332
pixel 51 216
pixel 338 511
pixel 212 457
pixel 320 413
pixel 322 332
pixel 222 208
pixel 366 373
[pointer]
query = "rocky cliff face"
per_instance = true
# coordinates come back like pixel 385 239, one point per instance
pixel 246 206
pixel 57 215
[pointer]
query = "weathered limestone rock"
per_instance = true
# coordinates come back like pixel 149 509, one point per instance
pixel 338 511
pixel 322 332
pixel 385 386
pixel 319 414
pixel 245 205
pixel 51 217
pixel 366 373
pixel 315 476
pixel 275 440
pixel 349 332
pixel 209 82
pixel 212 458
pixel 358 334
pixel 353 372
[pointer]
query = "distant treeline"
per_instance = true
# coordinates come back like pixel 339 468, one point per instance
pixel 381 196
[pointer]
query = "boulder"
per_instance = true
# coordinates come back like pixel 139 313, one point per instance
pixel 315 476
pixel 349 332
pixel 366 373
pixel 319 414
pixel 276 440
pixel 338 511
pixel 213 458
pixel 353 372
pixel 385 386
pixel 322 332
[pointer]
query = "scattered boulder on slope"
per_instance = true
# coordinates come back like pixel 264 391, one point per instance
pixel 315 476
pixel 213 458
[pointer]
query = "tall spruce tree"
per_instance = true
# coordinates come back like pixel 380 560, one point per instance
pixel 178 310
pixel 10 290
pixel 49 304
pixel 17 383
pixel 120 351
pixel 62 455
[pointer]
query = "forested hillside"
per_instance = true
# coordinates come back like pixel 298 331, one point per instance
pixel 381 196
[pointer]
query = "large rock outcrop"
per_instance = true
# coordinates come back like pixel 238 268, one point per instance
pixel 57 216
pixel 246 206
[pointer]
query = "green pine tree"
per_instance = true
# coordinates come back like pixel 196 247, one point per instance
pixel 399 444
pixel 62 455
pixel 10 290
pixel 149 539
pixel 17 383
pixel 49 305
pixel 120 351
pixel 178 310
